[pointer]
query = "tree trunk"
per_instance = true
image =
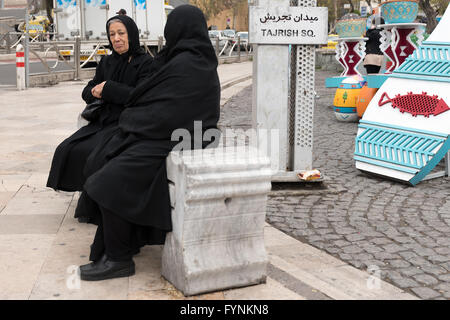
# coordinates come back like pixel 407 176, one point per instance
pixel 430 13
pixel 336 16
pixel 352 7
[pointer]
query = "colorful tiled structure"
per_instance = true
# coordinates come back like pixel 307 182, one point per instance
pixel 405 131
pixel 351 47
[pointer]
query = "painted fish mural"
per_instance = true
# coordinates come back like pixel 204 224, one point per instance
pixel 416 104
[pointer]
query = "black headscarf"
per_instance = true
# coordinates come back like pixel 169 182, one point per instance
pixel 186 86
pixel 185 30
pixel 134 48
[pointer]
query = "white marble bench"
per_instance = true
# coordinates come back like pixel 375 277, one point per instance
pixel 219 201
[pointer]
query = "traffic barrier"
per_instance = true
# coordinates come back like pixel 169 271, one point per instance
pixel 20 67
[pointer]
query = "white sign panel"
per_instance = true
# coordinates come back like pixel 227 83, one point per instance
pixel 288 25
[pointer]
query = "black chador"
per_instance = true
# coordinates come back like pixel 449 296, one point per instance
pixel 127 174
pixel 122 73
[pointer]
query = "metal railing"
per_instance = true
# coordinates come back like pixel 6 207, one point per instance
pixel 226 47
pixel 52 53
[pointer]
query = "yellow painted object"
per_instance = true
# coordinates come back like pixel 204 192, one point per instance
pixel 345 100
pixel 37 25
pixel 332 42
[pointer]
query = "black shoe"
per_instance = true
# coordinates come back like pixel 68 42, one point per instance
pixel 91 265
pixel 107 269
pixel 83 219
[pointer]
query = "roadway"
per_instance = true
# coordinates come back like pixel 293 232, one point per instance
pixel 8 70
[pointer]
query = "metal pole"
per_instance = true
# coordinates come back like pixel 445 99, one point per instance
pixel 160 43
pixel 217 47
pixel 82 20
pixel 2 4
pixel 76 55
pixel 239 48
pixel 8 43
pixel 20 68
pixel 27 49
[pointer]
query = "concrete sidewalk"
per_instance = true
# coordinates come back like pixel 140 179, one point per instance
pixel 41 244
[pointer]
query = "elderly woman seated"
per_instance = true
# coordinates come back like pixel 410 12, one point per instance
pixel 115 77
pixel 127 190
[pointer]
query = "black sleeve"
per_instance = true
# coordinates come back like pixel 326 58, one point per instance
pixel 98 78
pixel 118 93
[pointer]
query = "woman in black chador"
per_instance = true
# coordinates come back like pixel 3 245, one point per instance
pixel 115 77
pixel 127 193
pixel 374 57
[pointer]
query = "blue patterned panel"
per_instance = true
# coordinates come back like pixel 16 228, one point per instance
pixel 140 4
pixel 427 61
pixel 402 149
pixel 95 3
pixel 66 4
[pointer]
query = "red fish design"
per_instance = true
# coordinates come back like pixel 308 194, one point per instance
pixel 416 104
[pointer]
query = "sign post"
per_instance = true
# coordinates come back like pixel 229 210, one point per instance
pixel 283 79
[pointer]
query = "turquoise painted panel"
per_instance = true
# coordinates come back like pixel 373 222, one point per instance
pixel 402 150
pixel 376 81
pixel 427 61
pixel 333 82
pixel 344 109
pixel 432 163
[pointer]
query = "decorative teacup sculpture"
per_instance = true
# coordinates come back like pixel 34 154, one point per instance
pixel 399 11
pixel 351 26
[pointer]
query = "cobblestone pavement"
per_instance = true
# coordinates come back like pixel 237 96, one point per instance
pixel 369 222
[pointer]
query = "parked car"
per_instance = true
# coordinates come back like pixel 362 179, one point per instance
pixel 229 33
pixel 243 35
pixel 332 42
pixel 217 34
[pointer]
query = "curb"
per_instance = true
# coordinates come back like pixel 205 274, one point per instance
pixel 234 82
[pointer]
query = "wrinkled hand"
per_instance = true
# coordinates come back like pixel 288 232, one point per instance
pixel 97 90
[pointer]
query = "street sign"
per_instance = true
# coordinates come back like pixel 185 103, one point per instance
pixel 288 25
pixel 363 11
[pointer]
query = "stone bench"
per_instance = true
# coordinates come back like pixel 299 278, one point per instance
pixel 219 199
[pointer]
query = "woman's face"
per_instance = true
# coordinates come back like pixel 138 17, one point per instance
pixel 119 37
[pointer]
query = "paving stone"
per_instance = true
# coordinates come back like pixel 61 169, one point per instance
pixel 324 231
pixel 393 248
pixel 381 241
pixel 426 293
pixel 404 283
pixel 386 256
pixel 354 237
pixel 398 263
pixel 332 236
pixel 445 277
pixel 410 271
pixel 443 287
pixel 439 258
pixel 332 250
pixel 446 265
pixel 342 243
pixel 408 255
pixel 426 279
pixel 352 249
pixel 433 269
pixel 418 261
pixel 442 250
